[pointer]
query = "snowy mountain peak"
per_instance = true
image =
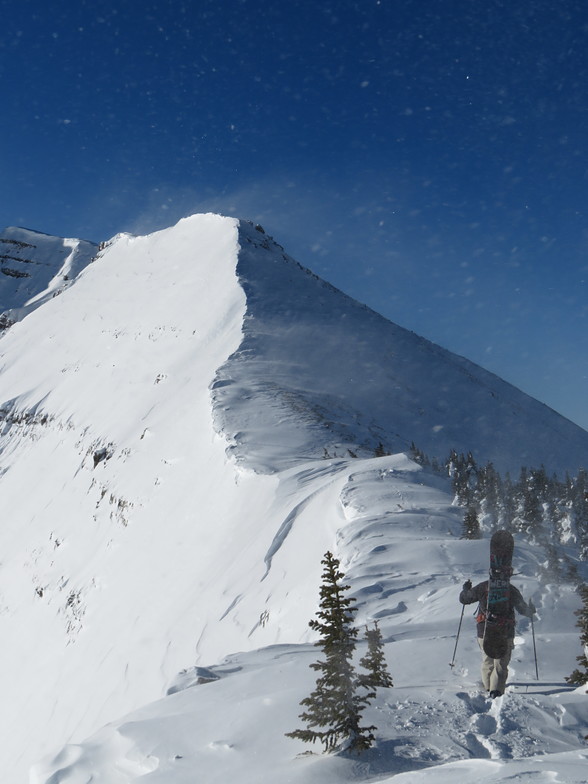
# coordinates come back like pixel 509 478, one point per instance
pixel 318 373
pixel 184 433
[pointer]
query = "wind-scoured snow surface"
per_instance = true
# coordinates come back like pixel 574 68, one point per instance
pixel 312 356
pixel 176 431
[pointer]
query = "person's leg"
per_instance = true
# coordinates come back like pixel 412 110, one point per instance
pixel 487 667
pixel 499 674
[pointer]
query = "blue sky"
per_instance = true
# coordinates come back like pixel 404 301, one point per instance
pixel 430 159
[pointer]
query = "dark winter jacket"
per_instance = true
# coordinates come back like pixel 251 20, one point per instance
pixel 479 593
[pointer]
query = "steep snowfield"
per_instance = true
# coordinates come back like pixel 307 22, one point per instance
pixel 34 268
pixel 101 562
pixel 317 372
pixel 174 461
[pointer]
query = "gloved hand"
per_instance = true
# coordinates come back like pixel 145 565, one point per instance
pixel 532 609
pixel 467 585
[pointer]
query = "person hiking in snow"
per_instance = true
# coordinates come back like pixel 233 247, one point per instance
pixel 495 671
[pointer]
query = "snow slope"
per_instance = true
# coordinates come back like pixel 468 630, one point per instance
pixel 318 372
pixel 397 536
pixel 93 546
pixel 175 440
pixel 35 267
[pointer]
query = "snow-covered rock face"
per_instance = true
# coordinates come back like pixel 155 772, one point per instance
pixel 136 540
pixel 34 268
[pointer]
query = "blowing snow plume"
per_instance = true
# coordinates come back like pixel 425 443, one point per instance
pixel 318 373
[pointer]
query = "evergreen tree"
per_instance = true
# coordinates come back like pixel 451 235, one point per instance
pixel 380 450
pixel 546 510
pixel 579 677
pixel 487 495
pixel 471 524
pixel 507 505
pixel 418 455
pixel 374 662
pixel 552 569
pixel 534 493
pixel 579 505
pixel 519 493
pixel 463 472
pixel 333 710
pixel 556 512
pixel 451 463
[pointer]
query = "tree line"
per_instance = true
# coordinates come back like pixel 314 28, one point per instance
pixel 542 507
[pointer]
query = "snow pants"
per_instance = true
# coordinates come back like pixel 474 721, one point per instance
pixel 495 671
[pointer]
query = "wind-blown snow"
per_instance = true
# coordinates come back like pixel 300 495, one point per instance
pixel 174 461
pixel 318 373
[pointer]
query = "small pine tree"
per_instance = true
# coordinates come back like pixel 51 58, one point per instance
pixel 463 472
pixel 578 677
pixel 335 706
pixel 487 496
pixel 380 450
pixel 532 508
pixel 471 524
pixel 374 662
pixel 579 504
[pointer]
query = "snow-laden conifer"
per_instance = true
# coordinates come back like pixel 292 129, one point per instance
pixel 376 673
pixel 581 676
pixel 471 524
pixel 333 710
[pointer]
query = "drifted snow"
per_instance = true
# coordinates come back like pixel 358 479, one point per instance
pixel 137 555
pixel 397 537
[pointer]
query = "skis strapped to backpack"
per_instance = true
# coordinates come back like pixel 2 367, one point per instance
pixel 498 611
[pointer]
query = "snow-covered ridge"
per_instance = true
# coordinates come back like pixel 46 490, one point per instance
pixel 317 374
pixel 397 536
pixel 137 542
pixel 34 268
pixel 106 439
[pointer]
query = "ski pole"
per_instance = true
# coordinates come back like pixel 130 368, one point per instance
pixel 452 663
pixel 534 647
